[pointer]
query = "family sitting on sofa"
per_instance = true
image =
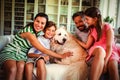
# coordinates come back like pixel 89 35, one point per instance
pixel 94 36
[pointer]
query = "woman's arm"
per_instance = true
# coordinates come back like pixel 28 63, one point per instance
pixel 33 40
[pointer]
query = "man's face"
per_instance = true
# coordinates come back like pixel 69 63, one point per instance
pixel 79 23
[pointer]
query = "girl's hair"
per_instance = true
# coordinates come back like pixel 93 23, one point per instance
pixel 95 12
pixel 80 13
pixel 49 24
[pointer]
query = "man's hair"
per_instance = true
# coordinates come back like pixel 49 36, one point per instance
pixel 79 13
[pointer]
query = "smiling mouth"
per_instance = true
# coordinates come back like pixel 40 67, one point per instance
pixel 60 43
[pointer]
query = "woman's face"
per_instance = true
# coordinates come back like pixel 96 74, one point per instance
pixel 90 21
pixel 39 23
pixel 50 32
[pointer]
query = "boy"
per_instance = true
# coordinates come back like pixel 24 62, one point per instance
pixel 36 57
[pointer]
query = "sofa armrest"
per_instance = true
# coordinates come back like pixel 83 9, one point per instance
pixel 5 40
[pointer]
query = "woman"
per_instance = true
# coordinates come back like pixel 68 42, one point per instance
pixel 14 54
pixel 101 46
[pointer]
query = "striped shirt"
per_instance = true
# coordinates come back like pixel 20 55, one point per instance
pixel 17 50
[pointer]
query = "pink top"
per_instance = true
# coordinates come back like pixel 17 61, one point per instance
pixel 102 42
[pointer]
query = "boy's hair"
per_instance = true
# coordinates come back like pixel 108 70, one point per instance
pixel 80 13
pixel 49 24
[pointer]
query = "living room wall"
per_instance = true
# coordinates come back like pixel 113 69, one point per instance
pixel 111 8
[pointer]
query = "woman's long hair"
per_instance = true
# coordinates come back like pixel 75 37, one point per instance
pixel 95 12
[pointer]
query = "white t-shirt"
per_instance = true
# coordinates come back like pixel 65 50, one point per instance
pixel 45 42
pixel 81 35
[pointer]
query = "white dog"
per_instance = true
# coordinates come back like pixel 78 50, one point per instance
pixel 64 42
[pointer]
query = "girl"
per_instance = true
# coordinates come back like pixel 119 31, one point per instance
pixel 101 46
pixel 14 54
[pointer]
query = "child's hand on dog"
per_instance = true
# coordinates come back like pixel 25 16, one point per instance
pixel 67 54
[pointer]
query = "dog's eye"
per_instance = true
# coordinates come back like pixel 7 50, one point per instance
pixel 59 34
pixel 65 35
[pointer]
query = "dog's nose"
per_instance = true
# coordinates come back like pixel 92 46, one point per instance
pixel 64 39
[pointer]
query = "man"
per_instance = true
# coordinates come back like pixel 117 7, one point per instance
pixel 81 30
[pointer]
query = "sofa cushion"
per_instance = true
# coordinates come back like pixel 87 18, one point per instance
pixel 54 71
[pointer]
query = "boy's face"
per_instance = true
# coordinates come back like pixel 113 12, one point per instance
pixel 79 22
pixel 49 32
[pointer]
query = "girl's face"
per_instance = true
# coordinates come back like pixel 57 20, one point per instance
pixel 39 23
pixel 90 21
pixel 49 32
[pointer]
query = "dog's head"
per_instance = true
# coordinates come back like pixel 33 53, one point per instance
pixel 61 36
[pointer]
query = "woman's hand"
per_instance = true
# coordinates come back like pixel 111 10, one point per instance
pixel 67 54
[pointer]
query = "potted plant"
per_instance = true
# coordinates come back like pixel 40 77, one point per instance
pixel 108 19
